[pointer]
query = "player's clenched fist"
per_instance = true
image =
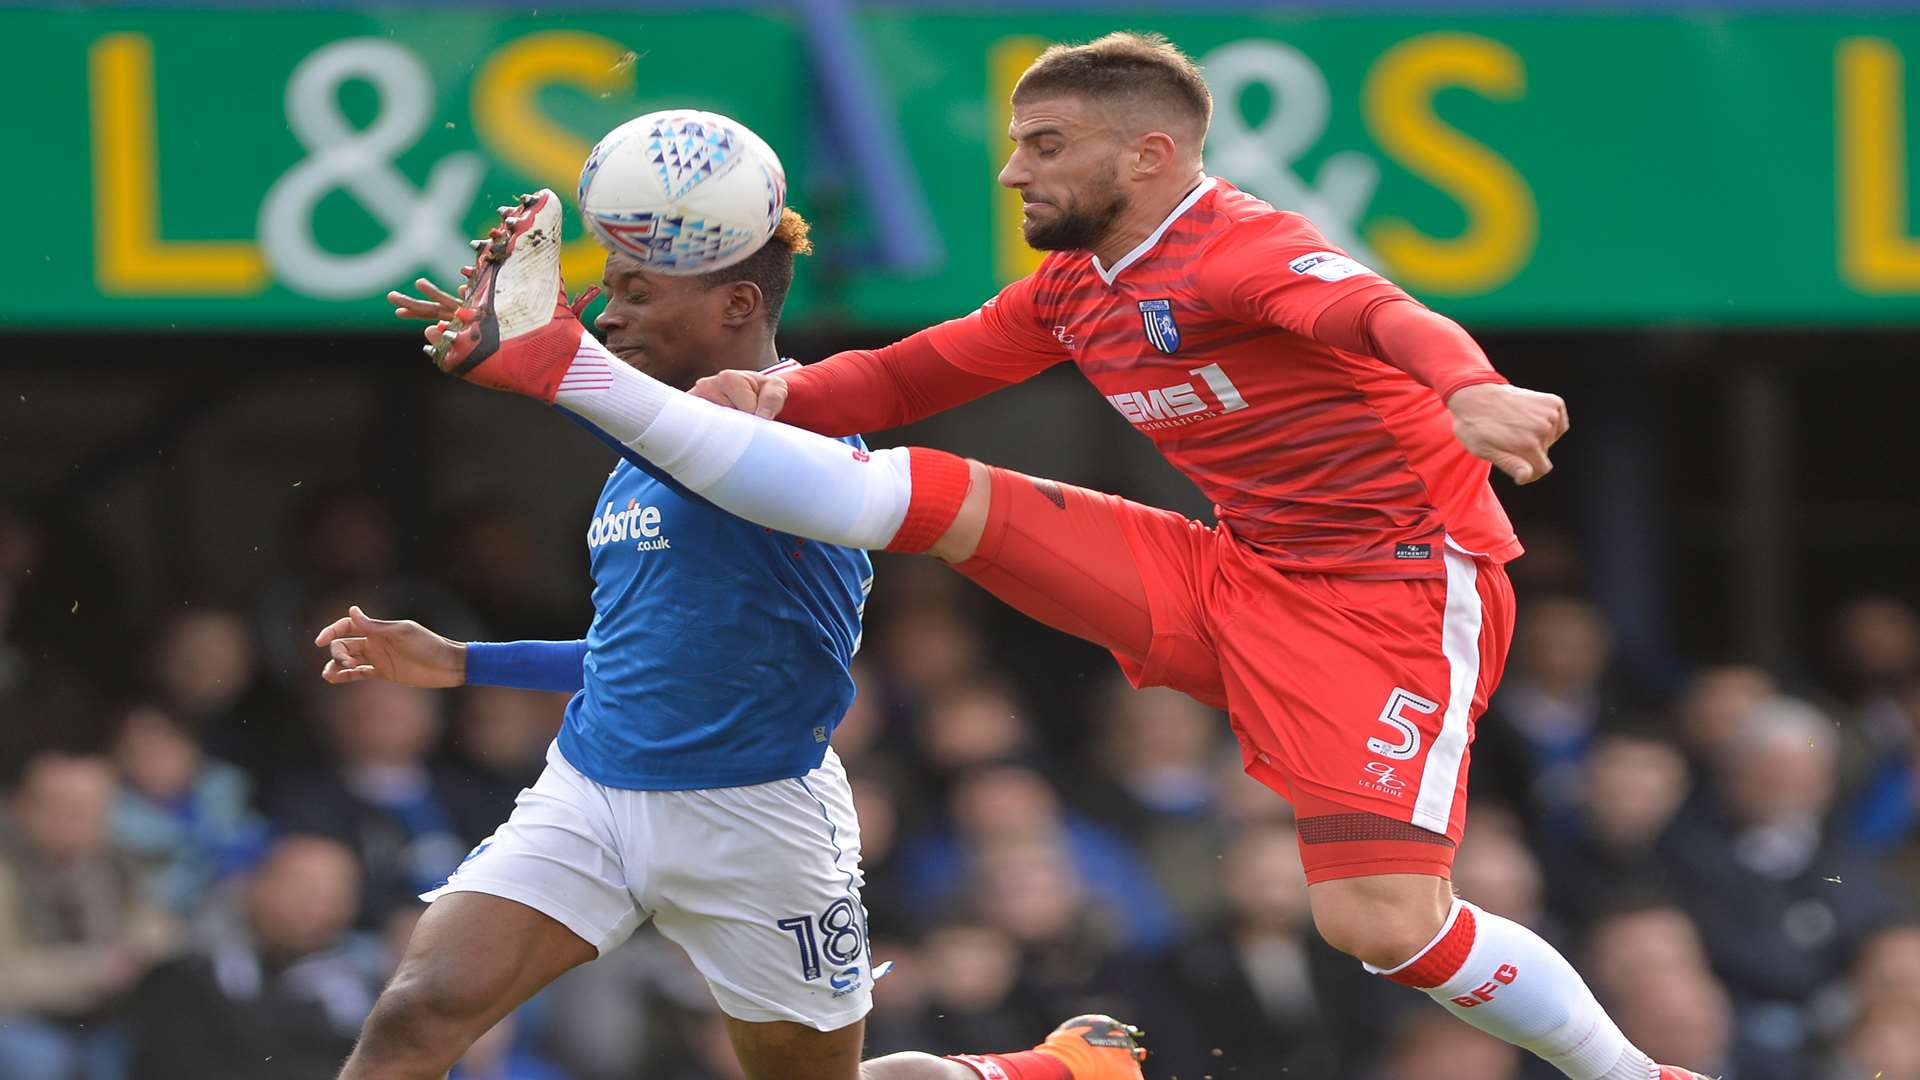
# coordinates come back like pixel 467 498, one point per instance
pixel 397 650
pixel 748 391
pixel 1510 426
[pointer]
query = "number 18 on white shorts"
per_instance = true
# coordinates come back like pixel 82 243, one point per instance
pixel 759 884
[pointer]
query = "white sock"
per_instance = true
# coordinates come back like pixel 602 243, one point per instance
pixel 1505 980
pixel 769 473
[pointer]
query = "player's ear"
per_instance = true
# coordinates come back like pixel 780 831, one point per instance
pixel 1154 153
pixel 743 303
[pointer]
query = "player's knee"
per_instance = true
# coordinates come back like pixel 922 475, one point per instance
pixel 962 538
pixel 424 1013
pixel 1383 929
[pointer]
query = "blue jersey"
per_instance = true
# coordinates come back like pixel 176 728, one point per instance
pixel 719 649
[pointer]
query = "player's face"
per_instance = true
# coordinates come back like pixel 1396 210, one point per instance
pixel 1066 167
pixel 672 328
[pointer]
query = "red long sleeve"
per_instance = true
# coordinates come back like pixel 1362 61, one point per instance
pixel 1387 323
pixel 875 389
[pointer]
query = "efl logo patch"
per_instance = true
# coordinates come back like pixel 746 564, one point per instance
pixel 1327 266
pixel 1157 317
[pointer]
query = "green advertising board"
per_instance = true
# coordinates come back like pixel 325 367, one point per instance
pixel 284 169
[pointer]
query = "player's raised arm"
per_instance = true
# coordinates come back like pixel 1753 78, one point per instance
pixel 854 392
pixel 865 390
pixel 1510 426
pixel 1277 269
pixel 1506 425
pixel 361 647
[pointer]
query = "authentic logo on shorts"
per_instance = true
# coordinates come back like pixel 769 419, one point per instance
pixel 1162 331
pixel 1327 266
pixel 1413 551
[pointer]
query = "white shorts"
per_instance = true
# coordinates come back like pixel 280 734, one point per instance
pixel 760 884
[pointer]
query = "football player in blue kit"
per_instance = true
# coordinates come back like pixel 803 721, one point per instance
pixel 693 781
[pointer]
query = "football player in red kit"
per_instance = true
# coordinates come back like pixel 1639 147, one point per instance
pixel 1349 609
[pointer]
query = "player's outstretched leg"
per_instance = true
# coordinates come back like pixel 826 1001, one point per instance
pixel 1487 970
pixel 517 333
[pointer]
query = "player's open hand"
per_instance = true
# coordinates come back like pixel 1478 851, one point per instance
pixel 434 304
pixel 360 647
pixel 755 392
pixel 1509 426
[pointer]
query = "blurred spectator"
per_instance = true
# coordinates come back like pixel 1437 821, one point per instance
pixel 1877 652
pixel 1883 1044
pixel 76 931
pixel 1780 900
pixel 494 561
pixel 188 817
pixel 876 805
pixel 66 600
pixel 1557 693
pixel 1156 751
pixel 1877 655
pixel 1028 888
pixel 277 994
pixel 1633 786
pixel 410 821
pixel 971 724
pixel 1645 940
pixel 1242 996
pixel 1431 1045
pixel 996 803
pixel 971 995
pixel 204 672
pixel 501 736
pixel 1684 1019
pixel 1888 966
pixel 349 553
pixel 1886 811
pixel 929 649
pixel 1495 870
pixel 204 663
pixel 900 1019
pixel 1715 703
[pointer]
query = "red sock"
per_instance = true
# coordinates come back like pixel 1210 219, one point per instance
pixel 939 487
pixel 1026 1065
pixel 1443 956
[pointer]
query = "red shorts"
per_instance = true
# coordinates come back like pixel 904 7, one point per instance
pixel 1355 699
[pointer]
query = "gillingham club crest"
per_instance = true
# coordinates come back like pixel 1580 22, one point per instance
pixel 1157 317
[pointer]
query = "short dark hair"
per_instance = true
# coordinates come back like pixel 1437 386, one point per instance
pixel 771 267
pixel 1121 65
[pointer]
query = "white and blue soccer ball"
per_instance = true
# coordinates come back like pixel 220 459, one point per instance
pixel 682 191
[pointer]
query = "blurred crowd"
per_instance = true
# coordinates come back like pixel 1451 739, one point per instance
pixel 208 858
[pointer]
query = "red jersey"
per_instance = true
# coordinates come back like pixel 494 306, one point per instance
pixel 1321 459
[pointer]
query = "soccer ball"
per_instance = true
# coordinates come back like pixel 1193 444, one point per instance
pixel 682 191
